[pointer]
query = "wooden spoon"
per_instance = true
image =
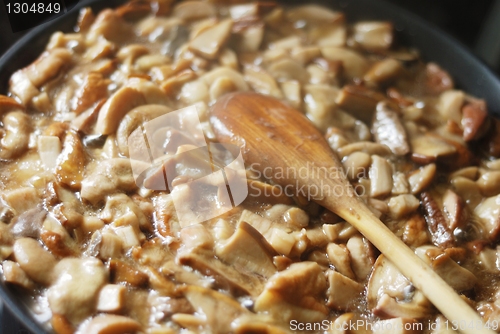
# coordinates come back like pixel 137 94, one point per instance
pixel 281 142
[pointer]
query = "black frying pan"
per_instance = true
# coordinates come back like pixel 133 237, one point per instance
pixel 469 73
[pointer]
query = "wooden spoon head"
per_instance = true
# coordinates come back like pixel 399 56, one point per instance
pixel 279 142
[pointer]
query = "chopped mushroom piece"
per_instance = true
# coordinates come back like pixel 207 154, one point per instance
pixel 402 205
pixel 363 146
pixel 374 35
pixel 71 162
pixel 248 248
pixel 380 177
pixel 111 176
pixel 387 129
pixel 488 213
pixel 456 276
pixel 339 257
pixel 450 105
pixel 209 42
pixel 342 292
pixel 421 178
pixel 110 323
pixel 37 262
pixel 49 148
pixel 295 293
pixel 383 71
pixel 74 293
pixel 359 101
pixel 354 64
pixel 225 276
pixel 13 273
pixel 455 210
pixel 192 10
pixel 15 139
pixel 212 304
pixel 362 257
pixel 111 298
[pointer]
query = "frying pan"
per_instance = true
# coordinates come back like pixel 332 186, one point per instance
pixel 469 73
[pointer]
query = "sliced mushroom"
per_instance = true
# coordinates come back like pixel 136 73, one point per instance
pixel 15 142
pixel 224 276
pixel 21 199
pixel 233 75
pixel 330 35
pixel 193 10
pixel 110 176
pixel 248 248
pixel 13 273
pixel 262 82
pixel 209 42
pixel 248 35
pixel 380 176
pixel 313 14
pixel 450 105
pixel 364 146
pixel 49 148
pixel 421 178
pixel 75 291
pixel 211 304
pixel 359 101
pixel 288 69
pixel 71 162
pixel 281 241
pixel 132 120
pixel 354 64
pixel 109 25
pixel 374 35
pixel 390 294
pixel 383 72
pixel 441 234
pixel 295 293
pixel 29 223
pixel 488 213
pixel 110 323
pixel 361 254
pixel 415 232
pixel 320 104
pixel 120 205
pixel 339 257
pixel 47 66
pixel 451 272
pixel 356 165
pixel 37 262
pixel 305 54
pixel 489 183
pixel 387 129
pixel 342 292
pixel 455 210
pixel 488 258
pixel 402 205
pixel 112 112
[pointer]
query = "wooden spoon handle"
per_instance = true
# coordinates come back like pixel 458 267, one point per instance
pixel 444 298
